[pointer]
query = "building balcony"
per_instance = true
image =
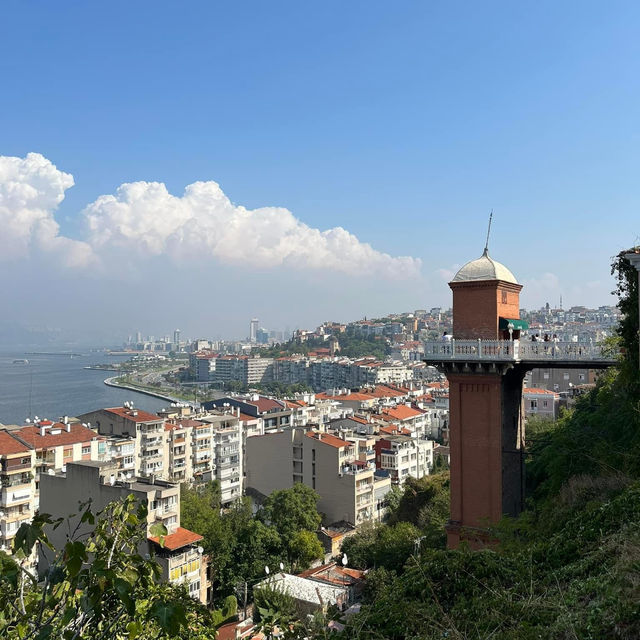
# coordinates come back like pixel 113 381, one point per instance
pixel 591 354
pixel 355 469
pixel 11 481
pixel 15 467
pixel 151 455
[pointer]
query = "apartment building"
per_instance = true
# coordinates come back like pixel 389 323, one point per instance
pixel 179 442
pixel 540 403
pixel 146 430
pixel 274 413
pixel 28 453
pixel 404 456
pixel 17 487
pixel 56 444
pixel 180 557
pixel 337 469
pixel 559 380
pixel 226 455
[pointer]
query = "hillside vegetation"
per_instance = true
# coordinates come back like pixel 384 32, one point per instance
pixel 569 566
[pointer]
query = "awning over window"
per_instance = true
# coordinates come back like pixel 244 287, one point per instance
pixel 518 325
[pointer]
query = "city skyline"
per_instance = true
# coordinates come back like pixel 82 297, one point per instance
pixel 341 163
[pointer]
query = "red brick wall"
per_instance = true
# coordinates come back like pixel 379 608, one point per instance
pixel 510 309
pixel 477 307
pixel 475 312
pixel 476 453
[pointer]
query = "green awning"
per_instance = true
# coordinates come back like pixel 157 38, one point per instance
pixel 518 325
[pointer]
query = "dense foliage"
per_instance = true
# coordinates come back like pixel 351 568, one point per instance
pixel 98 586
pixel 416 517
pixel 241 544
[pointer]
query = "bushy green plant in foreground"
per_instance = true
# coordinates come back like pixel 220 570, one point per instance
pixel 98 586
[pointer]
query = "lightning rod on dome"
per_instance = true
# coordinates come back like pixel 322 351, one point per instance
pixel 486 246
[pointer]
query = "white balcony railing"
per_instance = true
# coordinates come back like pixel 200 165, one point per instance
pixel 506 350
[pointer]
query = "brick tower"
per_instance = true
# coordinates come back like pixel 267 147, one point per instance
pixel 486 417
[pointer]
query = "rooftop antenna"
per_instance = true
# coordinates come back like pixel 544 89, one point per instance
pixel 486 246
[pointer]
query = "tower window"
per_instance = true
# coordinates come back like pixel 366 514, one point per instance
pixel 504 297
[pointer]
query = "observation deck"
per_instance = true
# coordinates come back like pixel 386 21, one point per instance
pixel 532 355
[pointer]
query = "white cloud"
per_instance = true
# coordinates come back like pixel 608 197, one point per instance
pixel 31 189
pixel 145 218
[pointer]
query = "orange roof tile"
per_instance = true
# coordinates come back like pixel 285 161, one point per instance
pixel 181 538
pixel 402 412
pixel 244 417
pixel 177 423
pixel 141 416
pixel 9 444
pixel 394 429
pixel 535 390
pixel 31 435
pixel 329 439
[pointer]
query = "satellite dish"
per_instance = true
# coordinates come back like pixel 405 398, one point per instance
pixel 200 550
pixel 281 567
pixel 344 560
pixel 266 570
pixel 28 421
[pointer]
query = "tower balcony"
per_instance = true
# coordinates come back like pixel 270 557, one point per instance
pixel 539 354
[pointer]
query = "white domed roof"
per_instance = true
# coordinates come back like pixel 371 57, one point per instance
pixel 484 268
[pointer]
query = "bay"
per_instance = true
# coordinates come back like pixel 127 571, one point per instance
pixel 51 386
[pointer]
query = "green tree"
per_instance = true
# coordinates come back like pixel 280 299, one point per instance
pixel 304 548
pixel 627 291
pixel 98 586
pixel 425 503
pixel 291 510
pixel 200 507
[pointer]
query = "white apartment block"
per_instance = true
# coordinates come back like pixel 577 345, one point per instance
pixel 226 455
pixel 541 403
pixel 404 456
pixel 17 487
pixel 337 469
pixel 26 455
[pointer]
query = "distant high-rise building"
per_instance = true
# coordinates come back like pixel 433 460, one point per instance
pixel 138 336
pixel 176 337
pixel 262 336
pixel 253 329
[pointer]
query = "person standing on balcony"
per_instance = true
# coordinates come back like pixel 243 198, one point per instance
pixel 446 338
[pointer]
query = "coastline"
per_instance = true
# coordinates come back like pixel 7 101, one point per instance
pixel 110 383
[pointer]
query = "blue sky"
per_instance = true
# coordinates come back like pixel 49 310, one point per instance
pixel 405 123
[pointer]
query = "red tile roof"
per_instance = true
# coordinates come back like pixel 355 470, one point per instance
pixel 329 439
pixel 265 404
pixel 31 435
pixel 177 423
pixel 181 538
pixel 246 418
pixel 535 390
pixel 141 416
pixel 9 444
pixel 394 429
pixel 402 412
